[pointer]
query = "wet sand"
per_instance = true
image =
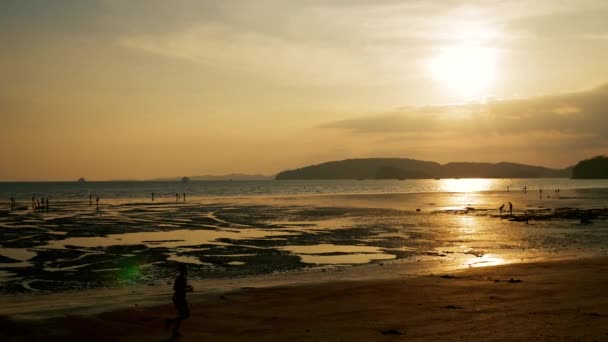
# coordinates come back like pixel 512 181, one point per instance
pixel 282 268
pixel 557 300
pixel 137 243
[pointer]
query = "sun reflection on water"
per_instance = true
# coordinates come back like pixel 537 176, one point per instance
pixel 466 185
pixel 486 260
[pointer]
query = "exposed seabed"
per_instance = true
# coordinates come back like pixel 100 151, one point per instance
pixel 75 245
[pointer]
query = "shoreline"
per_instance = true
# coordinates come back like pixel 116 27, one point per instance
pixel 518 301
pixel 95 300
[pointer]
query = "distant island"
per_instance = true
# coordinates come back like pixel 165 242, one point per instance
pixel 403 168
pixel 232 176
pixel 594 168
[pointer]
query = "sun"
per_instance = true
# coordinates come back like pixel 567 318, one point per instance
pixel 467 70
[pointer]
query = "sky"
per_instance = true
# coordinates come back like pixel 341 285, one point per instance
pixel 113 89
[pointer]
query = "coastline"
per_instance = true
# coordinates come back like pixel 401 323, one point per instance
pixel 520 301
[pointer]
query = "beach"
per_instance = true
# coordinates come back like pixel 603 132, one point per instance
pixel 346 266
pixel 126 242
pixel 303 170
pixel 543 301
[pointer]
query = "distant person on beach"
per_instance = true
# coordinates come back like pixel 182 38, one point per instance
pixel 184 194
pixel 511 208
pixel 90 199
pixel 97 202
pixel 540 193
pixel 176 197
pixel 180 288
pixel 507 188
pixel 152 197
pixel 501 208
pixel 12 203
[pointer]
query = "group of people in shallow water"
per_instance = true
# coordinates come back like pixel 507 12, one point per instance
pixel 42 203
pixel 540 191
pixel 38 204
pixel 525 190
pixel 177 197
pixel 502 207
pixel 96 200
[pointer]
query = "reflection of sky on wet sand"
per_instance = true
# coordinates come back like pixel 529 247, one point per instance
pixel 21 254
pixel 486 260
pixel 338 254
pixel 355 258
pixel 21 264
pixel 169 239
pixel 330 248
pixel 186 259
pixel 5 275
pixel 236 263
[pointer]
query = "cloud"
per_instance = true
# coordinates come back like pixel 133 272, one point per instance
pixel 588 20
pixel 290 62
pixel 311 43
pixel 318 43
pixel 561 126
pixel 581 112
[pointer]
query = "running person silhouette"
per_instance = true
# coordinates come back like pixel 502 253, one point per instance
pixel 180 287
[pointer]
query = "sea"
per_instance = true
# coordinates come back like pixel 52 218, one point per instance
pixel 143 189
pixel 139 231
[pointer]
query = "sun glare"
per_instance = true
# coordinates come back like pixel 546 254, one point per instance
pixel 465 185
pixel 467 70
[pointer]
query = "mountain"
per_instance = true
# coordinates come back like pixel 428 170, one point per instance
pixel 500 170
pixel 594 168
pixel 376 168
pixel 232 176
pixel 402 168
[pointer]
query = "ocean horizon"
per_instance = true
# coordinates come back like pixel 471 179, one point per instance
pixel 63 190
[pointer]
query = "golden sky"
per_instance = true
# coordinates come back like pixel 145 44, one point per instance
pixel 114 89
